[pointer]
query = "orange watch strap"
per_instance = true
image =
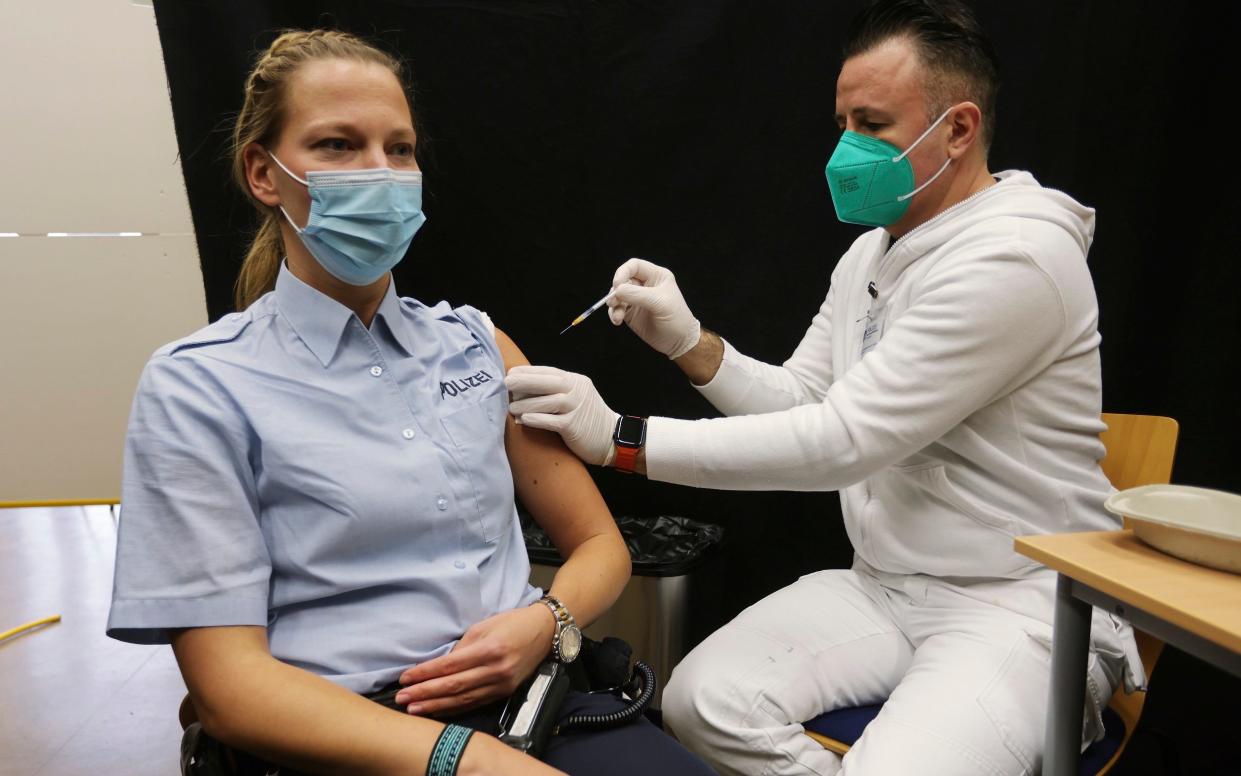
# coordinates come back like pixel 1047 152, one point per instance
pixel 626 458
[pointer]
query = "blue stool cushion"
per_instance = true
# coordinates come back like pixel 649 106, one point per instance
pixel 846 726
pixel 1098 753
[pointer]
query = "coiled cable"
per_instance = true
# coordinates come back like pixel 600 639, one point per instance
pixel 590 722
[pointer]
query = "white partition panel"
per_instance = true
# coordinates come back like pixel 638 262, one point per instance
pixel 91 149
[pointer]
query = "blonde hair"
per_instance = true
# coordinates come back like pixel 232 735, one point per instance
pixel 261 121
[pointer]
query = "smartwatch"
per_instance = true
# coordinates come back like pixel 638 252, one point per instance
pixel 567 640
pixel 629 437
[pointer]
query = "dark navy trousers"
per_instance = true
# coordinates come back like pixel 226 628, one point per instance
pixel 636 748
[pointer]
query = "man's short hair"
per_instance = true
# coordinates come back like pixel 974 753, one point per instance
pixel 958 57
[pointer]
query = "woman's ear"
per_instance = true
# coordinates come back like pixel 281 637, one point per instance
pixel 260 175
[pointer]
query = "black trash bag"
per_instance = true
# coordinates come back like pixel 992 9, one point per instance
pixel 660 546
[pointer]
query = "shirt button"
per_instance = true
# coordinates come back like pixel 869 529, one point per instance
pixel 442 503
pixel 459 564
pixel 376 371
pixel 408 433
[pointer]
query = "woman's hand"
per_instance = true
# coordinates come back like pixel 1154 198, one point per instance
pixel 488 663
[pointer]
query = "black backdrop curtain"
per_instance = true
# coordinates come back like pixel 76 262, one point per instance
pixel 567 135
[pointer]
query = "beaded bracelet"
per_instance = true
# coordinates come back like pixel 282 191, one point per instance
pixel 446 756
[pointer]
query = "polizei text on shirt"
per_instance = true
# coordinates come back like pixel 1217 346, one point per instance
pixel 462 384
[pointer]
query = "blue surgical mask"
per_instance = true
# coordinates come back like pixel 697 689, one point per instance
pixel 872 180
pixel 361 221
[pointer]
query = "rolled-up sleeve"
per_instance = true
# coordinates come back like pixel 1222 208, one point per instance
pixel 190 550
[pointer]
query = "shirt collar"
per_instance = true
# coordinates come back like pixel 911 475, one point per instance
pixel 317 318
pixel 320 320
pixel 393 316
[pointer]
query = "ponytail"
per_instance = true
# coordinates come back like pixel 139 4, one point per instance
pixel 261 265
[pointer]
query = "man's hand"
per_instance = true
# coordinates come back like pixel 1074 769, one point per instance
pixel 487 664
pixel 647 298
pixel 567 403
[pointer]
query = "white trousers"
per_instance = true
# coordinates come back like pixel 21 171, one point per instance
pixel 965 668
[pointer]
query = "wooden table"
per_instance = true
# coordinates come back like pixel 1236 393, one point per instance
pixel 1192 607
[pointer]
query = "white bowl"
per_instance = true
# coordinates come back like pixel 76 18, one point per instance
pixel 1199 525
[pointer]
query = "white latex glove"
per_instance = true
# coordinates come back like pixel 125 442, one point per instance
pixel 647 298
pixel 567 403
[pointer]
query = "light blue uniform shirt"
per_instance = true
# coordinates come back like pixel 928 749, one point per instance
pixel 347 488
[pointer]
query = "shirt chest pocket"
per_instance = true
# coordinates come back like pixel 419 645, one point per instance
pixel 483 478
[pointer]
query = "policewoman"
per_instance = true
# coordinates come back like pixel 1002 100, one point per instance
pixel 319 490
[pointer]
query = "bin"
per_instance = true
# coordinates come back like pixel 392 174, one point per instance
pixel 671 601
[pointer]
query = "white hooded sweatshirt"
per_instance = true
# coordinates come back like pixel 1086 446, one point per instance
pixel 949 388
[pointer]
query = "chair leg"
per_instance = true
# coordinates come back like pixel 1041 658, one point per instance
pixel 1169 752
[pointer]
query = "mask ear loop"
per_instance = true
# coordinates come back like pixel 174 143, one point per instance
pixel 911 147
pixel 305 183
pixel 931 180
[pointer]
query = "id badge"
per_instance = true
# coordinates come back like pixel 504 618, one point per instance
pixel 872 329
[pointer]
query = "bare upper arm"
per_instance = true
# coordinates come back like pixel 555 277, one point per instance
pixel 550 480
